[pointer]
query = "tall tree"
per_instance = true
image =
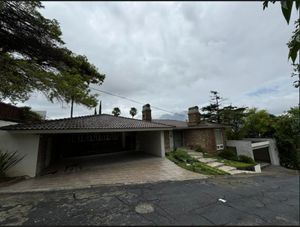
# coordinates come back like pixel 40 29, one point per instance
pixel 100 108
pixel 234 117
pixel 116 111
pixel 133 111
pixel 294 52
pixel 287 138
pixel 33 58
pixel 211 112
pixel 259 123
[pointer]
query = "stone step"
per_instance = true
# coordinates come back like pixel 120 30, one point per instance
pixel 207 160
pixel 264 164
pixel 195 153
pixel 197 157
pixel 215 164
pixel 227 168
pixel 236 171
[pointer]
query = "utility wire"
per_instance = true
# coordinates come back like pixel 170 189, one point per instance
pixel 132 100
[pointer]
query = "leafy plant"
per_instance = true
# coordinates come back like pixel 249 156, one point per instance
pixel 246 159
pixel 287 137
pixel 184 160
pixel 228 154
pixel 258 123
pixel 200 149
pixel 182 155
pixel 29 116
pixel 8 160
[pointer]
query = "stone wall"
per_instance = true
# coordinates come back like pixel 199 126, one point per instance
pixel 200 137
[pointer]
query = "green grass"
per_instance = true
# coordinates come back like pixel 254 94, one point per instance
pixel 238 165
pixel 193 164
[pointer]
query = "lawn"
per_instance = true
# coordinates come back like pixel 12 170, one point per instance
pixel 184 160
pixel 238 165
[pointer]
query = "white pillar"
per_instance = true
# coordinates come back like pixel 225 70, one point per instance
pixel 162 144
pixel 273 152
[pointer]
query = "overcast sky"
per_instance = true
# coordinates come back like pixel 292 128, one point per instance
pixel 172 54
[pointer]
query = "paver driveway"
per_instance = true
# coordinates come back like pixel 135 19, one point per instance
pixel 117 169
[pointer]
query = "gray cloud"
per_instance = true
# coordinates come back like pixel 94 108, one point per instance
pixel 172 54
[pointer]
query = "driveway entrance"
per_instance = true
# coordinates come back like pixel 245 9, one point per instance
pixel 130 168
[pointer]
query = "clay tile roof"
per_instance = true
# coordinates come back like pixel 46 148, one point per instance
pixel 184 124
pixel 103 121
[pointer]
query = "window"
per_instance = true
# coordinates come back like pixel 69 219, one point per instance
pixel 219 139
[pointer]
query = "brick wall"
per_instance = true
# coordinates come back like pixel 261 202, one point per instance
pixel 203 137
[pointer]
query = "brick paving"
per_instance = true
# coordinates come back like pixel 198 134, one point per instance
pixel 118 169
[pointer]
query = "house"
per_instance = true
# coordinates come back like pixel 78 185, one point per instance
pixel 194 133
pixel 45 143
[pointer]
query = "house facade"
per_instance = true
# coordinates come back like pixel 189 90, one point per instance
pixel 194 133
pixel 46 143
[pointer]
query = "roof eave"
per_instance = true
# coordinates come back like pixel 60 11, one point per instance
pixel 199 127
pixel 65 131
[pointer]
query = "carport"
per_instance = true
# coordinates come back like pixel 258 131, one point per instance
pixel 94 136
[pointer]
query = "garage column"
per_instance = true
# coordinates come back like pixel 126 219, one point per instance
pixel 162 144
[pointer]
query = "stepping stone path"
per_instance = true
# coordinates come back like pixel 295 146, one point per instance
pixel 215 163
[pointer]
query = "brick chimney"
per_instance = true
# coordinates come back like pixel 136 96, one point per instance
pixel 147 112
pixel 194 116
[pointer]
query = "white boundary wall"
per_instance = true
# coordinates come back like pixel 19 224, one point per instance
pixel 245 147
pixel 242 147
pixel 26 145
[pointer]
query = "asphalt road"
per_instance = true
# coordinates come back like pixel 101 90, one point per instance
pixel 247 200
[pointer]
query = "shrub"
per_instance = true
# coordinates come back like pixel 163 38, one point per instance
pixel 246 159
pixel 200 149
pixel 8 160
pixel 29 116
pixel 203 168
pixel 287 137
pixel 227 154
pixel 182 156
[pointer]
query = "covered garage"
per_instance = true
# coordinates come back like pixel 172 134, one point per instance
pixel 94 136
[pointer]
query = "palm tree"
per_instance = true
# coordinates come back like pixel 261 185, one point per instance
pixel 116 111
pixel 133 111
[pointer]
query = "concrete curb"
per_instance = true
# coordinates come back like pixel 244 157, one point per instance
pixel 89 186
